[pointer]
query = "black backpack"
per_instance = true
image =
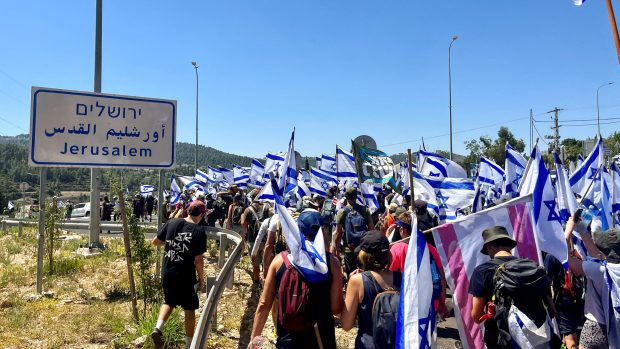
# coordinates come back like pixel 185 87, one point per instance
pixel 384 315
pixel 514 280
pixel 237 213
pixel 328 211
pixel 254 220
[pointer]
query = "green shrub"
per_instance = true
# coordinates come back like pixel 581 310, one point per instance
pixel 66 266
pixel 174 328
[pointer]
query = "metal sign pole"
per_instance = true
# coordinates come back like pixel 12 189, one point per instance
pixel 160 217
pixel 95 173
pixel 41 236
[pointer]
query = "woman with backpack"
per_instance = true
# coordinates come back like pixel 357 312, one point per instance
pixel 372 279
pixel 305 309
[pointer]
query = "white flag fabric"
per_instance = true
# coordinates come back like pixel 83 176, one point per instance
pixel 459 244
pixel 10 205
pixel 318 161
pixel 302 190
pixel 514 168
pixel 567 202
pixel 214 175
pixel 585 174
pixel 615 189
pixel 201 176
pixel 328 164
pixel 321 181
pixel 288 174
pixel 369 193
pixel 416 321
pixel 308 257
pixel 450 195
pixel 545 216
pixel 241 176
pixel 257 174
pixel 273 165
pixel 227 175
pixel 345 168
pixel 578 2
pixel 267 193
pixel 191 183
pixel 146 189
pixel 175 191
pixel 435 165
pixel 491 175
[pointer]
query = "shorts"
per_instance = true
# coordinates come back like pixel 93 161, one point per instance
pixel 593 335
pixel 179 292
pixel 570 314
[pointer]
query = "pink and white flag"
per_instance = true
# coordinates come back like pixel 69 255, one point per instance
pixel 459 244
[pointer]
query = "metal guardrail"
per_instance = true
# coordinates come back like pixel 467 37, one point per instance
pixel 84 225
pixel 225 275
pixel 226 237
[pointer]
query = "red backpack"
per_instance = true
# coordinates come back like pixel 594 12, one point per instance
pixel 295 313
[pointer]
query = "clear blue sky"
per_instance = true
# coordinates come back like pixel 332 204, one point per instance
pixel 332 69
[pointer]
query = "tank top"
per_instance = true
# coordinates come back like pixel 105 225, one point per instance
pixel 364 338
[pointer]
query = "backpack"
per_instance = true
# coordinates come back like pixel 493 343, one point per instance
pixel 515 279
pixel 237 213
pixel 384 315
pixel 436 277
pixel 254 221
pixel 328 212
pixel 219 209
pixel 295 311
pixel 355 226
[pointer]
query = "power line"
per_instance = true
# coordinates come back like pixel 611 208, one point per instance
pixel 12 124
pixel 602 123
pixel 539 135
pixel 579 120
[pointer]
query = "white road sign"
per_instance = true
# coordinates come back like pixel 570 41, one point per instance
pixel 85 129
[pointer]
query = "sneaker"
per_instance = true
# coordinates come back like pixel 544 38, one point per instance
pixel 158 339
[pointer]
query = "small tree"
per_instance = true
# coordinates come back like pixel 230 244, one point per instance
pixel 53 215
pixel 143 260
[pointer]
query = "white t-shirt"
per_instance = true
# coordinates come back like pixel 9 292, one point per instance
pixel 273 224
pixel 593 307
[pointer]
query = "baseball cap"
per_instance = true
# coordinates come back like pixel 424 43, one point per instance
pixel 196 208
pixel 309 222
pixel 609 243
pixel 373 242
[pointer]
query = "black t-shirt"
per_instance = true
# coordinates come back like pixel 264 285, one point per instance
pixel 481 285
pixel 184 241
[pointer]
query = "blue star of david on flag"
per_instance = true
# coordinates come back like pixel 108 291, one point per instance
pixel 553 216
pixel 593 173
pixel 433 174
pixel 278 167
pixel 324 185
pixel 442 200
pixel 333 166
pixel 517 179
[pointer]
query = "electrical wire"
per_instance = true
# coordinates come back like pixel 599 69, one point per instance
pixel 539 135
pixel 12 124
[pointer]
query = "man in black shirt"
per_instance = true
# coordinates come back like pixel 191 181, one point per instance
pixel 185 241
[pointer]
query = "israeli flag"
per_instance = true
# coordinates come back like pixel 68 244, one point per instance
pixel 201 176
pixel 515 166
pixel 267 193
pixel 303 175
pixel 288 176
pixel 615 188
pixel 369 193
pixel 328 164
pixel 321 181
pixel 273 165
pixel 579 160
pixel 435 165
pixel 416 325
pixel 146 189
pixel 345 168
pixel 175 192
pixel 191 183
pixel 605 206
pixel 450 195
pixel 10 205
pixel 308 257
pixel 241 176
pixel 489 173
pixel 318 161
pixel 61 204
pixel 227 175
pixel 567 203
pixel 586 173
pixel 257 174
pixel 545 217
pixel 578 2
pixel 478 204
pixel 214 175
pixel 302 190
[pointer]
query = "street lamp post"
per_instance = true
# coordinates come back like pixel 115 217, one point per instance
pixel 598 114
pixel 450 87
pixel 196 148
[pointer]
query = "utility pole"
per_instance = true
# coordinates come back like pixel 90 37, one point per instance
pixel 95 173
pixel 556 129
pixel 614 27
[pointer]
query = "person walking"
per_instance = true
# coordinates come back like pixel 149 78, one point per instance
pixel 185 242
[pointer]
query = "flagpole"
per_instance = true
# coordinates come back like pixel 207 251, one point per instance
pixel 410 173
pixel 527 167
pixel 614 27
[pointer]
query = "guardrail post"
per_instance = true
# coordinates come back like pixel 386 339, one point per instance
pixel 210 285
pixel 4 226
pixel 20 227
pixel 223 245
pixel 229 285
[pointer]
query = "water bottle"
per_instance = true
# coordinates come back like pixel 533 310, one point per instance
pixel 259 342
